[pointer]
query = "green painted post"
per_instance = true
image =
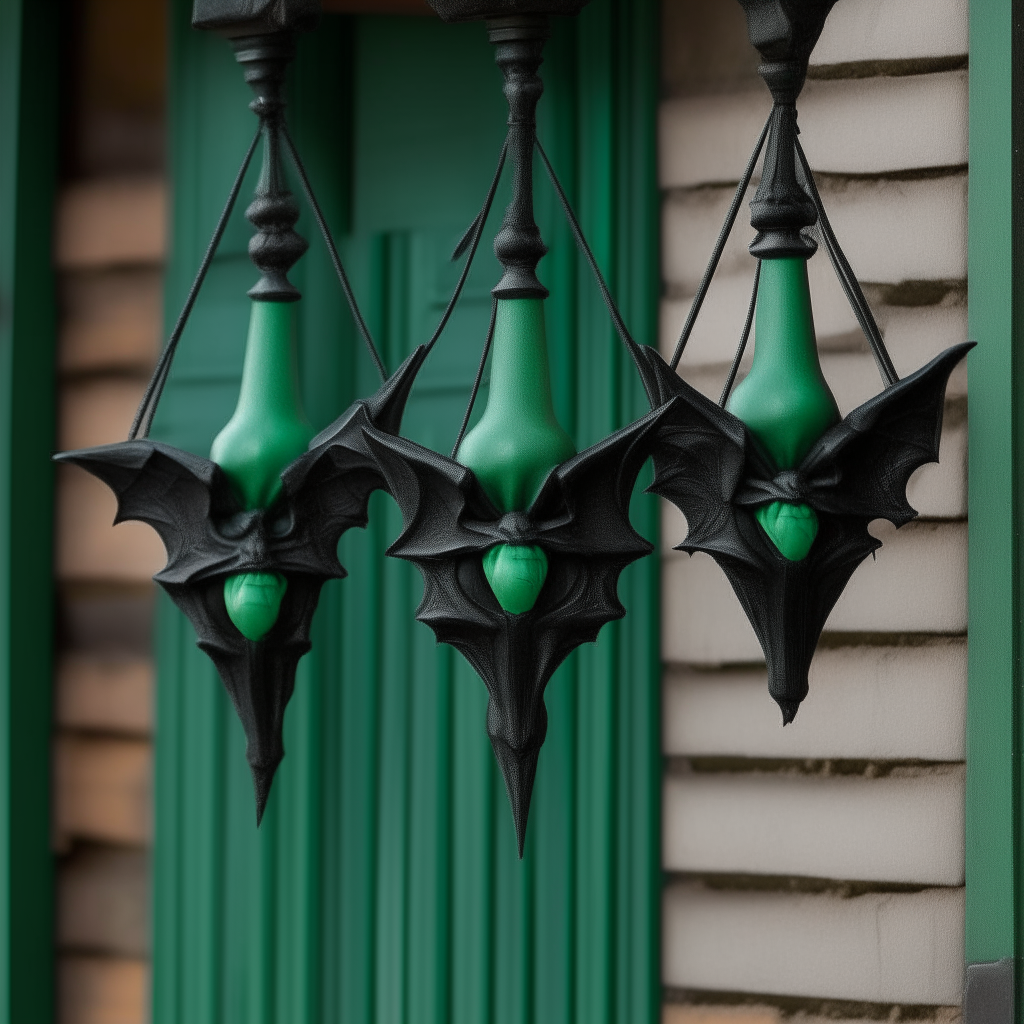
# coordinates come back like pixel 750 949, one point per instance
pixel 28 161
pixel 994 741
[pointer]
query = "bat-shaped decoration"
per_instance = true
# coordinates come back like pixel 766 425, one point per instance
pixel 285 552
pixel 712 468
pixel 251 533
pixel 775 486
pixel 572 542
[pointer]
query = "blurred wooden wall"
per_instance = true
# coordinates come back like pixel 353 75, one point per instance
pixel 109 249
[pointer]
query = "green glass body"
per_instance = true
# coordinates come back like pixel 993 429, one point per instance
pixel 267 432
pixel 785 400
pixel 516 444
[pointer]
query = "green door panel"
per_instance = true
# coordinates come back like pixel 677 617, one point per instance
pixel 384 886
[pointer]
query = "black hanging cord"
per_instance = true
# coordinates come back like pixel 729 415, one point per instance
pixel 479 378
pixel 730 220
pixel 848 279
pixel 147 407
pixel 339 268
pixel 744 338
pixel 584 247
pixel 470 240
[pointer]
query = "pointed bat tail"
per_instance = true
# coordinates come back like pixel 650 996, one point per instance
pixel 519 770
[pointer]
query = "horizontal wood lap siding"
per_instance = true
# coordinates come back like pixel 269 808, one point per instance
pixel 28 160
pixel 383 886
pixel 819 869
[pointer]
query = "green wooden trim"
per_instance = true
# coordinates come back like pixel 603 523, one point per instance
pixel 993 729
pixel 28 158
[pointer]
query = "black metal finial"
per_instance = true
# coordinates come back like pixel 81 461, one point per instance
pixel 275 247
pixel 519 50
pixel 262 33
pixel 784 32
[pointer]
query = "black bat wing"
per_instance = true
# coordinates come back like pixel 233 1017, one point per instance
pixel 861 467
pixel 705 460
pixel 701 455
pixel 327 491
pixel 179 494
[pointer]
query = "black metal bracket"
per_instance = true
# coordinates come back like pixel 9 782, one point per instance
pixel 262 33
pixel 988 993
pixel 239 18
pixel 784 32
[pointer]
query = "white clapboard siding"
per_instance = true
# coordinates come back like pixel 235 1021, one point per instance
pixel 865 703
pixel 891 230
pixel 878 948
pixel 852 126
pixel 902 828
pixel 887 30
pixel 916 584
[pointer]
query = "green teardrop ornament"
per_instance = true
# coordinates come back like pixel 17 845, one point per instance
pixel 267 432
pixel 785 400
pixel 253 601
pixel 792 528
pixel 516 574
pixel 516 444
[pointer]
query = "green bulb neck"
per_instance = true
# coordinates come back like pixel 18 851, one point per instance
pixel 268 429
pixel 518 440
pixel 784 400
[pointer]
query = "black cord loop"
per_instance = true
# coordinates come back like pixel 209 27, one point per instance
pixel 147 407
pixel 470 240
pixel 744 338
pixel 339 268
pixel 716 255
pixel 570 215
pixel 479 378
pixel 848 279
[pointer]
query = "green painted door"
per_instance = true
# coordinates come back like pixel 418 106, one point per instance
pixel 383 887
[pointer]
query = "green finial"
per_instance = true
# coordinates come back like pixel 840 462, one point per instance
pixel 267 432
pixel 516 444
pixel 784 400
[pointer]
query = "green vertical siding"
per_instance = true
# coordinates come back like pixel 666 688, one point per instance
pixel 993 735
pixel 383 887
pixel 28 158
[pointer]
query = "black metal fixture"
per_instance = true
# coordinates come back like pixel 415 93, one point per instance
pixel 520 540
pixel 774 485
pixel 251 533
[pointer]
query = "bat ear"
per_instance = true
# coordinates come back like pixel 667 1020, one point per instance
pixel 387 406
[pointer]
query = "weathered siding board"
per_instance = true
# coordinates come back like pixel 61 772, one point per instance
pixel 872 703
pixel 109 246
pixel 852 126
pixel 885 947
pixel 768 831
pixel 880 30
pixel 902 828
